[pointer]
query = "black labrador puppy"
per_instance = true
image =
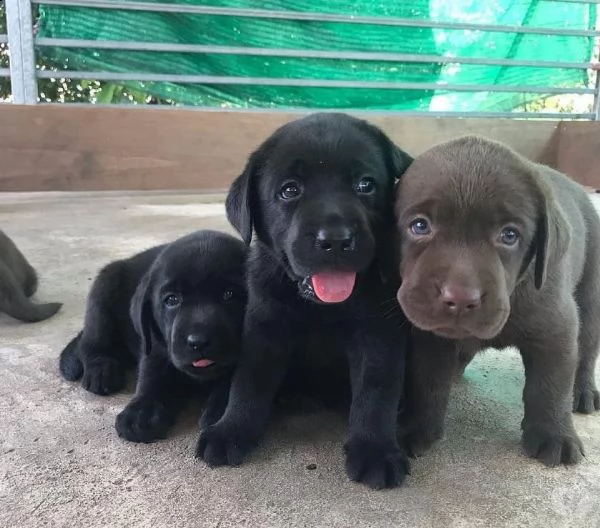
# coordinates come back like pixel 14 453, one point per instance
pixel 319 195
pixel 178 309
pixel 18 282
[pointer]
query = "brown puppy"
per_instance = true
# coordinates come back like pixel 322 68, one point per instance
pixel 18 281
pixel 498 251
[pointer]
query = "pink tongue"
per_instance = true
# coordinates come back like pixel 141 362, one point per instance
pixel 333 287
pixel 203 363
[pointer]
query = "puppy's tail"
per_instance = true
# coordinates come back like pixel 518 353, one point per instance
pixel 15 303
pixel 70 365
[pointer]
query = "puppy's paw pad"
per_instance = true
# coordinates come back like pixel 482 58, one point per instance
pixel 103 376
pixel 375 466
pixel 586 401
pixel 219 446
pixel 144 421
pixel 553 448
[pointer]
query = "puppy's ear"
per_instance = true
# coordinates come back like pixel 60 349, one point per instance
pixel 397 161
pixel 142 315
pixel 553 232
pixel 239 203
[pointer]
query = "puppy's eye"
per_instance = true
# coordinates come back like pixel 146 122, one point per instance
pixel 172 300
pixel 509 236
pixel 365 186
pixel 420 227
pixel 290 190
pixel 228 295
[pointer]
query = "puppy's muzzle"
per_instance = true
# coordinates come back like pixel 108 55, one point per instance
pixel 197 345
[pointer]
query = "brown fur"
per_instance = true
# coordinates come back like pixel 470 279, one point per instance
pixel 465 289
pixel 18 281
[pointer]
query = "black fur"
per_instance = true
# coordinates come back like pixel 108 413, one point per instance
pixel 290 337
pixel 128 322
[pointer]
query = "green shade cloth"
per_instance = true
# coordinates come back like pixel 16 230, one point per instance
pixel 103 24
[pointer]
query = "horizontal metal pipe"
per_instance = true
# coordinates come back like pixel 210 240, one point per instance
pixel 4 72
pixel 3 39
pixel 306 83
pixel 302 111
pixel 314 17
pixel 309 54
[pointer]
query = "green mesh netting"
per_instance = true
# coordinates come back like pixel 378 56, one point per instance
pixel 101 24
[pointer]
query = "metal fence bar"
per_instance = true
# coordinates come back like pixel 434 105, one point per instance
pixel 4 72
pixel 307 83
pixel 313 17
pixel 22 56
pixel 314 54
pixel 596 106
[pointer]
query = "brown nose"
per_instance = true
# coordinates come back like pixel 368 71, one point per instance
pixel 460 298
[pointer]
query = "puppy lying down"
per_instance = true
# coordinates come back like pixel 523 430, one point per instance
pixel 499 251
pixel 177 309
pixel 18 282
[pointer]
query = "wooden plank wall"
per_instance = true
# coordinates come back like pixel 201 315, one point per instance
pixel 71 148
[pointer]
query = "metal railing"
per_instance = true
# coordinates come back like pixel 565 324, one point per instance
pixel 24 75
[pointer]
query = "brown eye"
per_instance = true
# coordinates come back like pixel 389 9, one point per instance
pixel 365 186
pixel 290 190
pixel 172 300
pixel 509 236
pixel 420 227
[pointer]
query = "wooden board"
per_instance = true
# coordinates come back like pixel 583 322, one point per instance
pixel 71 148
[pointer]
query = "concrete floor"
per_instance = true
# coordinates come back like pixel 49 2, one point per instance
pixel 62 464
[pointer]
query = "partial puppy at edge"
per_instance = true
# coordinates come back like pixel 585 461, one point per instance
pixel 499 251
pixel 18 282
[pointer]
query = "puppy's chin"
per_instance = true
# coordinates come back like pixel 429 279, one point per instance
pixel 206 373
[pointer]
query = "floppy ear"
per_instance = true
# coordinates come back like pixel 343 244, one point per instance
pixel 239 201
pixel 142 315
pixel 553 233
pixel 397 161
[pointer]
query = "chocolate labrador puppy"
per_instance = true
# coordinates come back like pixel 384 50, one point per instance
pixel 18 282
pixel 497 251
pixel 319 195
pixel 177 310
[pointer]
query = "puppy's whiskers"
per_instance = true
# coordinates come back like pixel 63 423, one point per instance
pixel 388 301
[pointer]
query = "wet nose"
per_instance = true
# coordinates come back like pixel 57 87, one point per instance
pixel 197 342
pixel 460 298
pixel 339 239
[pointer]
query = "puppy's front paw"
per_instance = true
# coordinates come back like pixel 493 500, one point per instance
pixel 376 466
pixel 221 445
pixel 586 400
pixel 103 376
pixel 144 421
pixel 552 448
pixel 418 441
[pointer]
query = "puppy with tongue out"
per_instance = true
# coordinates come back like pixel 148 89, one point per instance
pixel 318 196
pixel 333 287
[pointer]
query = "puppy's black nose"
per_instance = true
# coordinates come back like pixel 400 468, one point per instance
pixel 339 239
pixel 197 342
pixel 460 298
